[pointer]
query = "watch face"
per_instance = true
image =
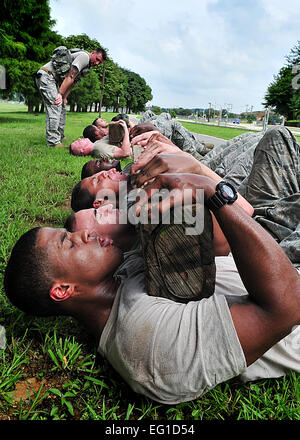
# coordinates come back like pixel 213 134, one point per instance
pixel 227 191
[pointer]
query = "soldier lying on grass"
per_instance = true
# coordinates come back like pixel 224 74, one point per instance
pixel 167 351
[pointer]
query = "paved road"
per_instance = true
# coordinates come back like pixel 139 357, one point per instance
pixel 210 139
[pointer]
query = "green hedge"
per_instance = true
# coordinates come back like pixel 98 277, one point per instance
pixel 293 123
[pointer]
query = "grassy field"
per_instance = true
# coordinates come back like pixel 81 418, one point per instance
pixel 211 130
pixel 49 368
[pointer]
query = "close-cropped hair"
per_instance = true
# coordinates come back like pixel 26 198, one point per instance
pixel 102 51
pixel 89 132
pixel 70 222
pixel 81 198
pixel 86 170
pixel 27 278
pixel 121 116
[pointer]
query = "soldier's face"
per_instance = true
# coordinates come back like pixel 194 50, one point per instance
pixel 95 58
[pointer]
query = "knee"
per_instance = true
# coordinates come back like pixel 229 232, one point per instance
pixel 279 133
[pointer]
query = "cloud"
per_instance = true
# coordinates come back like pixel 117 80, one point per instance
pixel 190 54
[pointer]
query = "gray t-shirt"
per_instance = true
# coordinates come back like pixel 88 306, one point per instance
pixel 174 352
pixel 102 148
pixel 283 356
pixel 164 350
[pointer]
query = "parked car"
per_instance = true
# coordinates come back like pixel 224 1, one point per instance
pixel 236 121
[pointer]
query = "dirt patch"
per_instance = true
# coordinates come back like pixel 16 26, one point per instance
pixel 25 389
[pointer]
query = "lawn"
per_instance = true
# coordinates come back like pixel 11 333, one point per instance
pixel 219 132
pixel 49 368
pixel 212 130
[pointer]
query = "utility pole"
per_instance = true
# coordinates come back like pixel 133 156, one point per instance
pixel 102 88
pixel 266 120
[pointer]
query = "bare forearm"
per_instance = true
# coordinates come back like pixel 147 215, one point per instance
pixel 126 147
pixel 66 86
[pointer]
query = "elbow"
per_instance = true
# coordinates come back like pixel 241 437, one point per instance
pixel 119 153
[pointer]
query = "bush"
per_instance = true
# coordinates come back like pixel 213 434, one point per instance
pixel 251 118
pixel 293 123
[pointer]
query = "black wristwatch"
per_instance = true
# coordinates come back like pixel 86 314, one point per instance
pixel 225 193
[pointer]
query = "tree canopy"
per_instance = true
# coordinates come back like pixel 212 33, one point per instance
pixel 28 41
pixel 283 93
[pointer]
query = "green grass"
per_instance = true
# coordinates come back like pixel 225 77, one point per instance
pixel 211 130
pixel 72 381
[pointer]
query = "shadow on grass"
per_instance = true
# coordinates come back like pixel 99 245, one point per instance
pixel 17 118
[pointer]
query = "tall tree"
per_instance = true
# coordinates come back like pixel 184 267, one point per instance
pixel 137 93
pixel 283 94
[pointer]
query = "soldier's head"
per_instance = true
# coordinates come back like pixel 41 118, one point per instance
pixel 94 133
pixel 97 57
pixel 94 166
pixel 85 192
pixel 81 147
pixel 53 272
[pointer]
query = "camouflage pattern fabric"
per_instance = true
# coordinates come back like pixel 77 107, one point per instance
pixel 233 156
pixel 215 157
pixel 239 172
pixel 179 267
pixel 213 154
pixel 55 115
pixel 273 188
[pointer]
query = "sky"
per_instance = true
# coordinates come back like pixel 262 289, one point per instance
pixel 191 53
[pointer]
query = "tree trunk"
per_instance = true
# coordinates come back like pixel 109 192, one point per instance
pixel 30 107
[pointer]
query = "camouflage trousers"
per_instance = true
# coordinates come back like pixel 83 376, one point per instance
pixel 265 170
pixel 233 159
pixel 173 130
pixel 55 116
pixel 273 188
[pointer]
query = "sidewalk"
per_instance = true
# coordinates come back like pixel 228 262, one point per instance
pixel 209 139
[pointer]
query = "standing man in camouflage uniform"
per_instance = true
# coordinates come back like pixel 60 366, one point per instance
pixel 55 87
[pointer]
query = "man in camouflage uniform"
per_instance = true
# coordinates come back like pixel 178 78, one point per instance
pixel 55 88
